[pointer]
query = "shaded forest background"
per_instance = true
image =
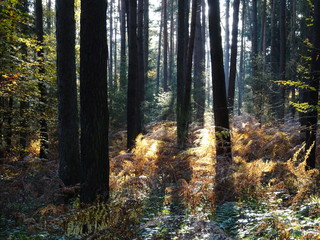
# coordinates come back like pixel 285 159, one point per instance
pixel 159 120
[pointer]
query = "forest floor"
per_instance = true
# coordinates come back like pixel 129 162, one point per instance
pixel 161 192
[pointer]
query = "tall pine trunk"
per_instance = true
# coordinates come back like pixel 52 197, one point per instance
pixel 134 126
pixel 182 41
pixel 68 129
pixel 199 68
pixel 223 177
pixel 234 52
pixel 313 95
pixel 44 144
pixel 94 101
pixel 165 45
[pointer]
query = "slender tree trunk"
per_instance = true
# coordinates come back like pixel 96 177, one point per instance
pixel 123 56
pixel 227 45
pixel 133 103
pixel 182 41
pixel 159 52
pixel 44 145
pixel 199 69
pixel 141 55
pixel 171 50
pixel 283 46
pixel 234 52
pixel 94 101
pixel 110 53
pixel 146 39
pixel 49 17
pixel 313 95
pixel 165 45
pixel 68 129
pixel 223 178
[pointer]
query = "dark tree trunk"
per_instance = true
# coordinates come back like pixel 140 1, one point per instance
pixel 165 45
pixel 199 69
pixel 313 95
pixel 234 52
pixel 223 177
pixel 227 45
pixel 94 101
pixel 110 52
pixel 123 56
pixel 182 42
pixel 49 17
pixel 133 101
pixel 23 107
pixel 44 144
pixel 68 129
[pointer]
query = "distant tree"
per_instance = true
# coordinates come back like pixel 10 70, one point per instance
pixel 44 138
pixel 123 56
pixel 68 129
pixel 313 95
pixel 93 101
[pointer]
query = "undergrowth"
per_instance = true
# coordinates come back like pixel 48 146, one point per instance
pixel 161 192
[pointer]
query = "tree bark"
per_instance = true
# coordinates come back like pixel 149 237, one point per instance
pixel 94 101
pixel 134 126
pixel 44 138
pixel 199 68
pixel 313 95
pixel 68 122
pixel 182 41
pixel 227 45
pixel 165 45
pixel 223 177
pixel 234 52
pixel 123 56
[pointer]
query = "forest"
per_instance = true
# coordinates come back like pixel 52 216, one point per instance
pixel 159 120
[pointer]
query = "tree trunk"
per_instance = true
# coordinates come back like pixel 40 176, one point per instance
pixel 227 45
pixel 44 144
pixel 146 39
pixel 283 40
pixel 110 52
pixel 123 56
pixel 94 101
pixel 68 129
pixel 165 45
pixel 182 41
pixel 133 103
pixel 234 52
pixel 241 65
pixel 223 177
pixel 199 69
pixel 313 95
pixel 159 52
pixel 171 50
